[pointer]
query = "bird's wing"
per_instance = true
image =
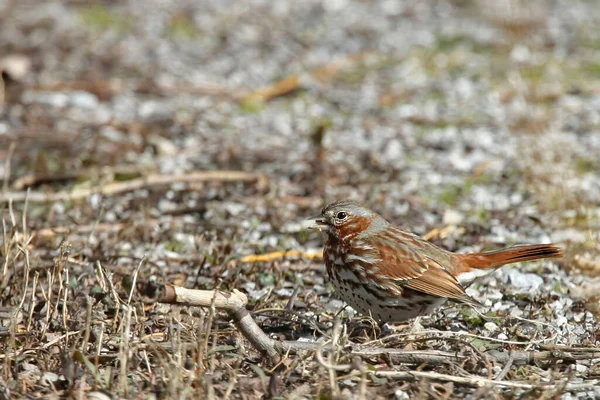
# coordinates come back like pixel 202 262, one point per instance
pixel 402 262
pixel 397 259
pixel 438 281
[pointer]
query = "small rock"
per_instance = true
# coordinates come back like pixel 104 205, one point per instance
pixel 163 145
pixel 516 312
pixel 560 321
pixel 16 66
pixel 95 201
pixel 294 227
pixel 349 383
pixel 30 368
pixel 393 151
pixel 83 99
pixel 167 206
pixel 494 295
pixel 581 368
pixel 49 378
pixel 258 294
pixel 524 281
pixel 100 395
pixel 53 99
pixel 490 326
pixel 154 111
pixel 334 306
pixel 285 292
pixel 401 395
pixel 234 208
pixel 452 217
pixel 520 53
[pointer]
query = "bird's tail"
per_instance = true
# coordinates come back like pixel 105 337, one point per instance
pixel 523 252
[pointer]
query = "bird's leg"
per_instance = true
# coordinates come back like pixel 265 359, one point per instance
pixel 414 327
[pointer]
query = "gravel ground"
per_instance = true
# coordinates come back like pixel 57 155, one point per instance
pixel 476 123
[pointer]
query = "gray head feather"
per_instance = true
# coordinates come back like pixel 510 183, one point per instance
pixel 349 206
pixel 353 208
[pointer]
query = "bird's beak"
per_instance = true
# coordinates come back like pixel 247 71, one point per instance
pixel 317 222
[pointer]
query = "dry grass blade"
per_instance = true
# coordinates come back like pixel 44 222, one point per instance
pixel 280 254
pixel 322 74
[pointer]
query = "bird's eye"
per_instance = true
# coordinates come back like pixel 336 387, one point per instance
pixel 341 215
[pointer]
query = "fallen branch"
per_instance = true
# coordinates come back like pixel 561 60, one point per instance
pixel 113 188
pixel 87 173
pixel 234 304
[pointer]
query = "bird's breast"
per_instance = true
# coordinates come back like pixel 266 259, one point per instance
pixel 355 255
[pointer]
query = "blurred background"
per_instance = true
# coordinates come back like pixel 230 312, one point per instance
pixel 432 112
pixel 200 132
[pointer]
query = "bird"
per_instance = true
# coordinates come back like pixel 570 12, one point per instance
pixel 393 275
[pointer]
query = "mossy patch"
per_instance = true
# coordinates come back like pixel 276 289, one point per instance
pixel 181 26
pixel 102 18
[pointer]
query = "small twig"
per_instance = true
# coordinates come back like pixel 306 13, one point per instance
pixel 207 89
pixel 7 245
pixel 531 357
pixel 362 388
pixel 113 188
pixel 290 305
pixel 124 351
pixel 88 322
pixel 480 382
pixel 7 162
pixel 212 311
pixel 2 91
pixel 507 366
pixel 570 349
pixel 56 340
pixel 134 279
pixel 87 229
pixel 330 364
pixel 482 355
pixel 399 356
pixel 87 173
pixel 445 334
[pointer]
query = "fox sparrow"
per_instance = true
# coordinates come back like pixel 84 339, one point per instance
pixel 394 275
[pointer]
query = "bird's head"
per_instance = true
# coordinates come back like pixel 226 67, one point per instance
pixel 346 219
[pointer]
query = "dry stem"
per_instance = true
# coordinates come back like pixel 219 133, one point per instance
pixel 113 188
